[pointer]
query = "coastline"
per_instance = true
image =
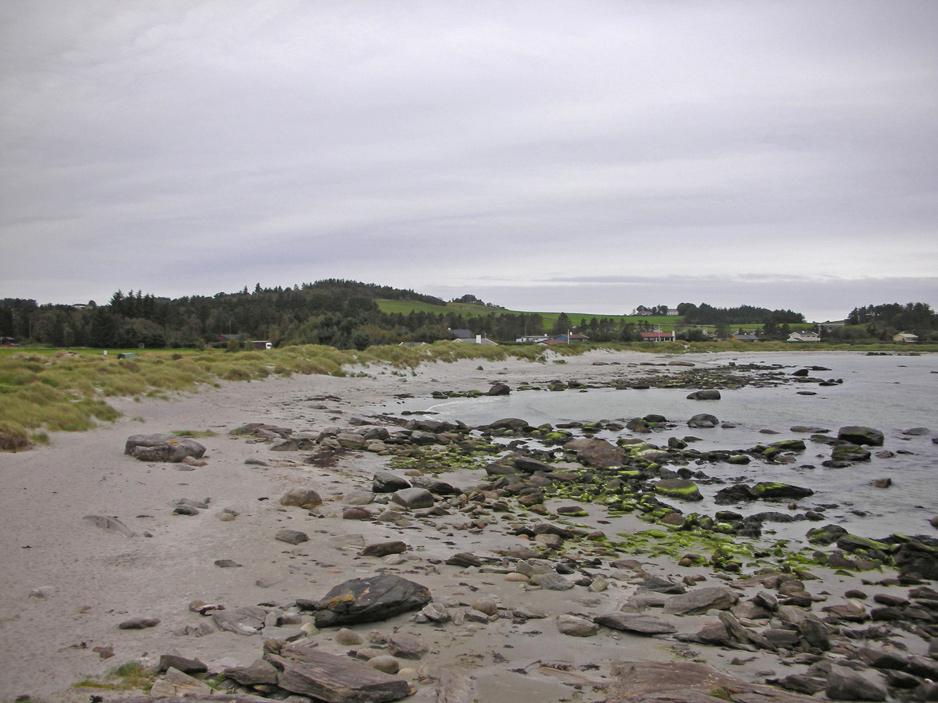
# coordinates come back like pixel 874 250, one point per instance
pixel 69 583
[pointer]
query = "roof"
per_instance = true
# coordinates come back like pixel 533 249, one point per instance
pixel 655 335
pixel 462 334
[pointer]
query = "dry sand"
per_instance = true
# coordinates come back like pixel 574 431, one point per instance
pixel 66 584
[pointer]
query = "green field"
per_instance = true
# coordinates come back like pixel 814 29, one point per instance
pixel 665 322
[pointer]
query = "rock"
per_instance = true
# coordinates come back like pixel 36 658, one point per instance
pixel 489 606
pixel 291 536
pixel 551 581
pixel 248 620
pixel 848 453
pixel 183 664
pixel 111 524
pixel 856 434
pixel 310 672
pixel 917 558
pixel 847 685
pixel 261 672
pixel 162 447
pixel 686 682
pixel 356 513
pixel 576 626
pixel 464 560
pixel 660 585
pixel 802 683
pixel 348 638
pixel 737 493
pixel 405 646
pixel 780 491
pixel 704 395
pixel 305 498
pixel 678 488
pixel 385 663
pixel 499 389
pixel 635 624
pixel 381 549
pixel 703 420
pixel 596 452
pixel 881 482
pixel 139 623
pixel 531 465
pixel 175 684
pixel 825 535
pixel 701 600
pixel 386 482
pixel 413 498
pixel 370 600
pixel 225 564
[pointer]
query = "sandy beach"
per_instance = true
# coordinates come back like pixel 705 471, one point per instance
pixel 67 584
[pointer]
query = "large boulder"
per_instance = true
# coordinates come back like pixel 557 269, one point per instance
pixel 499 389
pixel 413 498
pixel 304 669
pixel 386 482
pixel 857 434
pixel 370 600
pixel 596 452
pixel 162 447
pixel 703 420
pixel 701 600
pixel 305 498
pixel 847 685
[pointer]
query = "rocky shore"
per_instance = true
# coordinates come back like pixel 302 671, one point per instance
pixel 281 540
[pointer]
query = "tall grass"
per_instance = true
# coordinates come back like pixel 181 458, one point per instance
pixel 66 390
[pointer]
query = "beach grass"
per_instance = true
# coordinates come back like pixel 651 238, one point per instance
pixel 45 391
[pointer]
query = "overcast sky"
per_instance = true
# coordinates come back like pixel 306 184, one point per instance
pixel 586 156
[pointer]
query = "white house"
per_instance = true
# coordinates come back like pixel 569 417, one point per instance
pixel 804 337
pixel 905 338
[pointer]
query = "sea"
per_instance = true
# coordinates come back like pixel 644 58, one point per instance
pixel 892 393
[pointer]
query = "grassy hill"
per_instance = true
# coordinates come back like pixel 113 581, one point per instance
pixel 665 322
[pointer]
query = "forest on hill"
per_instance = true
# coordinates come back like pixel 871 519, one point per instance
pixel 346 314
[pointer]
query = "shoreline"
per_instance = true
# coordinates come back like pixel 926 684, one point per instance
pixel 70 583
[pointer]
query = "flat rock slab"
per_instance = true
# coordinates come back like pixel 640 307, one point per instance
pixel 635 624
pixel 701 600
pixel 596 452
pixel 686 682
pixel 310 672
pixel 242 621
pixel 370 600
pixel 291 536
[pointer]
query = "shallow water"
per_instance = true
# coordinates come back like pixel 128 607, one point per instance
pixel 890 393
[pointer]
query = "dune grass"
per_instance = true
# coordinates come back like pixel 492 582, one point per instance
pixel 68 391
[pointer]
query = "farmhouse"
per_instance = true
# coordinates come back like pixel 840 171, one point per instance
pixel 746 337
pixel 804 337
pixel 642 310
pixel 905 338
pixel 657 336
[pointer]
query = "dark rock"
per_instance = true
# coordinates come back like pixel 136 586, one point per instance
pixel 162 447
pixel 531 465
pixel 802 683
pixel 736 493
pixel 386 482
pixel 704 395
pixel 405 646
pixel 917 558
pixel 356 513
pixel 849 453
pixel 660 585
pixel 370 600
pixel 139 623
pixel 703 420
pixel 828 534
pixel 780 491
pixel 499 389
pixel 636 624
pixel 856 434
pixel 464 559
pixel 381 549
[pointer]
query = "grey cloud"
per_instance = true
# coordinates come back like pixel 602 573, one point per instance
pixel 201 146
